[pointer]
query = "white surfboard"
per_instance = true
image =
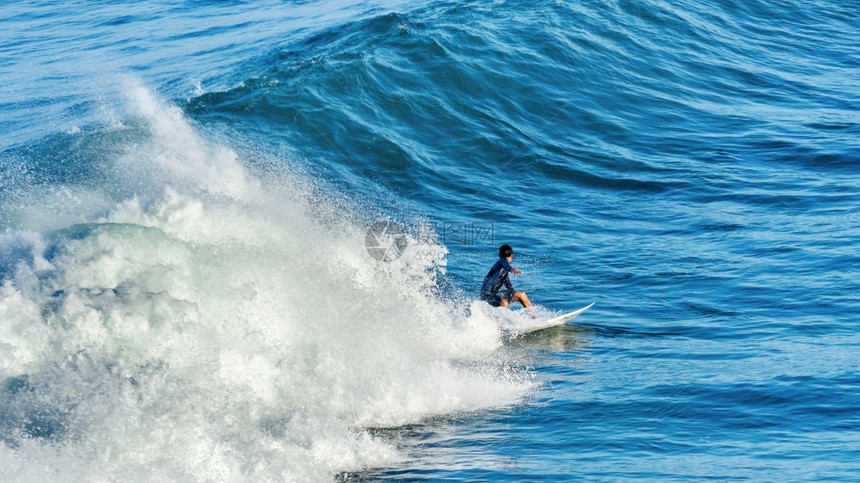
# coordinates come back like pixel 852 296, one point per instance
pixel 556 320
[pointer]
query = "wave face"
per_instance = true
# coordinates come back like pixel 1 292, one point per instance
pixel 186 319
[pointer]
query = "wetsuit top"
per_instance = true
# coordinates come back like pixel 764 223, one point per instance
pixel 497 277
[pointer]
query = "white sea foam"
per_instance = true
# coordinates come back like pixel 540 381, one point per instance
pixel 192 322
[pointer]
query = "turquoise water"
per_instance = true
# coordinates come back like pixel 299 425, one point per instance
pixel 186 192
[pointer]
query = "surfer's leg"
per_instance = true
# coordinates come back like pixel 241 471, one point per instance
pixel 522 298
pixel 505 298
pixel 493 299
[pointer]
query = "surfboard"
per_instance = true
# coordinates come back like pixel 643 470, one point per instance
pixel 556 320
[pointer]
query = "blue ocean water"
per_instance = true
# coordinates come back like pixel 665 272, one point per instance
pixel 187 194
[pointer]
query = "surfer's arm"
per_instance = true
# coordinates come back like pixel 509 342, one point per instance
pixel 507 266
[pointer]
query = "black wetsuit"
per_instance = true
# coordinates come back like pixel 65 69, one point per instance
pixel 497 277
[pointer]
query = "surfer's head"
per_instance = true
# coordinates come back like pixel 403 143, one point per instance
pixel 505 251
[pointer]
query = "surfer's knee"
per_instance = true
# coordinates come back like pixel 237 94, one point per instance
pixel 522 297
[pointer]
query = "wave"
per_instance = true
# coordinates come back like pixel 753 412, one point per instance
pixel 182 316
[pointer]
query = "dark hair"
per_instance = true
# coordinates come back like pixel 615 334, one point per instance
pixel 505 251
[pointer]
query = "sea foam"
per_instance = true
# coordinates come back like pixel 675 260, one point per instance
pixel 185 318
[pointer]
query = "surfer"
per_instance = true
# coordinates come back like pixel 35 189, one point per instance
pixel 491 290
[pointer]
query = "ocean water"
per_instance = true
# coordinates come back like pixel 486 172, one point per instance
pixel 241 241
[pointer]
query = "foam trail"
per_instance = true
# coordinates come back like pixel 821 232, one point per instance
pixel 194 322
